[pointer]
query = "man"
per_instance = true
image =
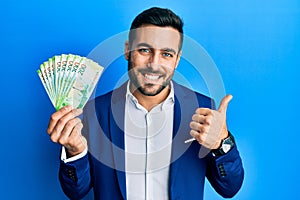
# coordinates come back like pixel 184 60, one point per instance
pixel 136 134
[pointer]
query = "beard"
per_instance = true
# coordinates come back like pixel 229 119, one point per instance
pixel 143 88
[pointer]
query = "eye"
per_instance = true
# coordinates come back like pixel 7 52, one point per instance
pixel 144 50
pixel 168 55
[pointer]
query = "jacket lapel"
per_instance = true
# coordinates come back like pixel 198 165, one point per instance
pixel 116 122
pixel 184 107
pixel 174 165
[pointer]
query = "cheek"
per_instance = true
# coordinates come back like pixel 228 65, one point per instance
pixel 137 59
pixel 170 67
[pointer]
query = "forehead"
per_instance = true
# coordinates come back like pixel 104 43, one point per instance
pixel 156 37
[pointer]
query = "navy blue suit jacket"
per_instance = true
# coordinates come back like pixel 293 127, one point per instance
pixel 103 167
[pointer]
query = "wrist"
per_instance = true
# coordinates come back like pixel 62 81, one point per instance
pixel 224 135
pixel 73 152
pixel 225 146
pixel 64 158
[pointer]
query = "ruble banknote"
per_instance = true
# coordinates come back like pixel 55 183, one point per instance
pixel 69 79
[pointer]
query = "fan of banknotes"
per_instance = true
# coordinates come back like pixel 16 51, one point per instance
pixel 69 79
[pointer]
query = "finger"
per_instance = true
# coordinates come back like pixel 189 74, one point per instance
pixel 56 116
pixel 76 143
pixel 200 137
pixel 76 138
pixel 204 111
pixel 202 119
pixel 199 127
pixel 63 137
pixel 224 103
pixel 60 124
pixel 194 134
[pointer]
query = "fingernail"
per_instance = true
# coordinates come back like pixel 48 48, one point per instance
pixel 79 110
pixel 68 108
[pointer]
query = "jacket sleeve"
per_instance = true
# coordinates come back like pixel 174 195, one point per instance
pixel 226 173
pixel 75 178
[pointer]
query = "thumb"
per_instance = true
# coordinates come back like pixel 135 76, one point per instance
pixel 224 103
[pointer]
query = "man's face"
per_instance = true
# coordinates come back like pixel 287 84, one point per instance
pixel 152 58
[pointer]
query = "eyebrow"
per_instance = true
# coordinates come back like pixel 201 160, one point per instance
pixel 169 50
pixel 163 49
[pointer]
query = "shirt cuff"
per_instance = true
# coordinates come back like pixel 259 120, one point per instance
pixel 64 158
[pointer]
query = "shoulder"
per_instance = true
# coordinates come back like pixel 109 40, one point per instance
pixel 184 93
pixel 104 101
pixel 112 96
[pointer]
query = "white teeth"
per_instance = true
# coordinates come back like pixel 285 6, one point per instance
pixel 151 77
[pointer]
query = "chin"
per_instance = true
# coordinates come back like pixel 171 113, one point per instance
pixel 153 92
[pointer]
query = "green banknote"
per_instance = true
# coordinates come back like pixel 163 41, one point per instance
pixel 69 79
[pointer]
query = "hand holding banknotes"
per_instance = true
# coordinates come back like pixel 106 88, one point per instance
pixel 65 128
pixel 209 126
pixel 68 80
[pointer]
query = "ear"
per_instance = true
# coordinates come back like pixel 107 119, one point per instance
pixel 178 58
pixel 126 50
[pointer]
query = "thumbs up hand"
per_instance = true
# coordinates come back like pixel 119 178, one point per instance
pixel 209 126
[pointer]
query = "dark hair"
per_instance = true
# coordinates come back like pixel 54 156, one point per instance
pixel 162 17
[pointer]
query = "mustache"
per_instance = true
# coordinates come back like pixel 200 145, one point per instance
pixel 149 71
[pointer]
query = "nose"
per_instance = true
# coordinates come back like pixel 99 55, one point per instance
pixel 154 60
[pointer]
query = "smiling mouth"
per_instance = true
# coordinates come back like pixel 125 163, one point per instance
pixel 152 77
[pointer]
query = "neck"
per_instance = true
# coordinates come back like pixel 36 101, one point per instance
pixel 148 102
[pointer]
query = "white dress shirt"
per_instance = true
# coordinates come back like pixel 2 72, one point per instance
pixel 148 138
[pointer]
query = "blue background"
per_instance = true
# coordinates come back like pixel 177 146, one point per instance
pixel 255 45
